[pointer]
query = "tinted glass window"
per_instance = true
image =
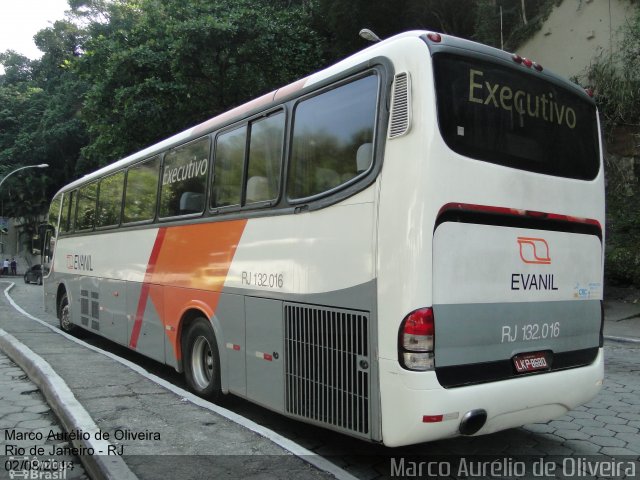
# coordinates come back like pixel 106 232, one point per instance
pixel 110 200
pixel 512 118
pixel 265 158
pixel 54 212
pixel 228 167
pixel 68 214
pixel 87 197
pixel 184 179
pixel 141 191
pixel 333 137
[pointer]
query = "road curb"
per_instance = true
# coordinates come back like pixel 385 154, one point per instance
pixel 631 340
pixel 69 411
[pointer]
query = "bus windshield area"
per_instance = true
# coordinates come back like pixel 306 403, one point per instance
pixel 494 113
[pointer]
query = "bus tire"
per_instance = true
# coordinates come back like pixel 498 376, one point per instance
pixel 202 361
pixel 64 315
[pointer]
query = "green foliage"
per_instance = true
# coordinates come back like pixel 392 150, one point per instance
pixel 515 31
pixel 622 259
pixel 39 121
pixel 338 22
pixel 615 80
pixel 622 265
pixel 161 67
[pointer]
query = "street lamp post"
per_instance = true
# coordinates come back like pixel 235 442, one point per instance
pixel 42 165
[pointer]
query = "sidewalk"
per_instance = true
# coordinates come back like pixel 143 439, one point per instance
pixel 24 411
pixel 158 432
pixel 622 321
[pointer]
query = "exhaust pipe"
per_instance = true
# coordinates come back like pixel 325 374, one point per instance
pixel 472 421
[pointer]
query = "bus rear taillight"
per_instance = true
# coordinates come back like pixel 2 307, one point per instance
pixel 416 340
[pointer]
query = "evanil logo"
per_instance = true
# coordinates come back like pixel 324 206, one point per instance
pixel 534 250
pixel 79 262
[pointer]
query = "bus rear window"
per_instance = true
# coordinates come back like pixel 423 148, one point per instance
pixel 496 114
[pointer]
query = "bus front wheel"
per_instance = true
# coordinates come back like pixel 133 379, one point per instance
pixel 64 315
pixel 202 361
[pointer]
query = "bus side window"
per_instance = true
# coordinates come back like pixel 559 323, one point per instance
pixel 328 132
pixel 52 230
pixel 87 196
pixel 265 158
pixel 110 200
pixel 141 192
pixel 68 214
pixel 228 167
pixel 54 214
pixel 184 179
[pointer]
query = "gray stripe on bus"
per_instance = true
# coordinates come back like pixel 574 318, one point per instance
pixel 485 332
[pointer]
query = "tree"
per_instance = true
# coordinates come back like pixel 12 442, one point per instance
pixel 339 22
pixel 507 21
pixel 62 129
pixel 160 67
pixel 615 80
pixel 21 107
pixel 40 120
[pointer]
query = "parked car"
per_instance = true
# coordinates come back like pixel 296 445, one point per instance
pixel 34 275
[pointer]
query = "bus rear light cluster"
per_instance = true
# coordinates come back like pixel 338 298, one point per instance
pixel 526 62
pixel 416 340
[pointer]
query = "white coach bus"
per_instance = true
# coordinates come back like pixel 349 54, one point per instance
pixel 405 246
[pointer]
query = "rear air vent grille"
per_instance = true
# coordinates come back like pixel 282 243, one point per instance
pixel 327 366
pixel 400 106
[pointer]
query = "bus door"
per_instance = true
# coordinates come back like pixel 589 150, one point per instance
pixel 265 359
pixel 145 304
pixel 113 306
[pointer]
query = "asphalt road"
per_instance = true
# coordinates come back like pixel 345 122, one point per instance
pixel 606 429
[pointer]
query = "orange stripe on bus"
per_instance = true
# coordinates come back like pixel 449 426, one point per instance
pixel 198 256
pixel 189 272
pixel 144 294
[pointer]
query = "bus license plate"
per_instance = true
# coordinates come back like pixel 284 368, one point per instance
pixel 532 362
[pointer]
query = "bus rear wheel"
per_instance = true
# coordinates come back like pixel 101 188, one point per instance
pixel 202 361
pixel 64 315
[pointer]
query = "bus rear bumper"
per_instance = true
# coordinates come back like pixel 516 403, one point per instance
pixel 415 408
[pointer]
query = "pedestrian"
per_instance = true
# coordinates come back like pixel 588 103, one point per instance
pixel 14 266
pixel 5 267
